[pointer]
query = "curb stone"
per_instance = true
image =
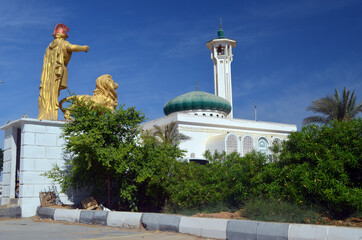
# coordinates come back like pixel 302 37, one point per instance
pixel 10 212
pixel 214 228
pixel 203 227
pixel 236 230
pixel 67 215
pixel 169 223
pixel 191 225
pixel 93 217
pixel 151 221
pixel 45 212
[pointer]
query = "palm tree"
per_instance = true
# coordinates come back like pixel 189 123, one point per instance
pixel 169 134
pixel 334 108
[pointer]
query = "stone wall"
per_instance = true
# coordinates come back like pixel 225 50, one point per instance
pixel 39 149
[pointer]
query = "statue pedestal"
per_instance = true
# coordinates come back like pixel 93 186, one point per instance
pixel 31 148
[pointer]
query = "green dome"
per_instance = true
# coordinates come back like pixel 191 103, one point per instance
pixel 197 101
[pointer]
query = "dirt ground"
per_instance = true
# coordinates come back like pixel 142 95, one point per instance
pixel 349 222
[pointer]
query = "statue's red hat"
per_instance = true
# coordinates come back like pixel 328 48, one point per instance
pixel 61 28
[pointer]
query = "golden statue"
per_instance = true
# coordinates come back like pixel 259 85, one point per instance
pixel 54 76
pixel 104 95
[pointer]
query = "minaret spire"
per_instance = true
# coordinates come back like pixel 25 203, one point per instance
pixel 222 56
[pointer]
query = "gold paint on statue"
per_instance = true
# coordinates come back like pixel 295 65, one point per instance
pixel 104 95
pixel 54 76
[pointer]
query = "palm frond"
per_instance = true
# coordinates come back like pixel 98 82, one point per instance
pixel 334 107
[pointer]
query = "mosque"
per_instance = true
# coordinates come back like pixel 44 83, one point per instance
pixel 208 118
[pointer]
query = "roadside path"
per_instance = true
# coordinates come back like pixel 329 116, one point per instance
pixel 31 228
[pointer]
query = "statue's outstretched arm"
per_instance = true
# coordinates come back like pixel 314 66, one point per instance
pixel 77 48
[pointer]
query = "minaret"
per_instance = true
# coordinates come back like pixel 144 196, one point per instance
pixel 222 56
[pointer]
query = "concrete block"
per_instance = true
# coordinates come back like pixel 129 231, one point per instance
pixel 6 191
pixel 26 190
pixel 169 223
pixel 28 139
pixel 345 233
pixel 307 232
pixel 124 219
pixel 45 212
pixel 241 229
pixel 27 164
pixel 5 200
pixel 44 164
pixel 8 142
pixel 57 130
pixel 93 217
pixel 67 215
pixel 31 177
pixel 115 219
pixel 7 155
pixel 42 139
pixel 60 142
pixel 272 231
pixel 10 212
pixel 33 151
pixel 35 128
pixel 151 221
pixel 29 205
pixel 6 178
pixel 6 167
pixel 100 217
pixel 86 217
pixel 54 153
pixel 191 225
pixel 214 228
pixel 132 220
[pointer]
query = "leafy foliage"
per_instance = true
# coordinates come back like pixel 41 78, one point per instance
pixel 169 134
pixel 106 156
pixel 271 209
pixel 334 108
pixel 223 182
pixel 101 145
pixel 319 166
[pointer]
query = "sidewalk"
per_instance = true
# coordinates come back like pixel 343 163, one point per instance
pixel 204 227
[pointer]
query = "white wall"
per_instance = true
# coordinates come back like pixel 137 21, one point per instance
pixel 41 148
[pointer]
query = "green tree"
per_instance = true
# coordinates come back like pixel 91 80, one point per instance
pixel 154 171
pixel 321 165
pixel 334 107
pixel 102 147
pixel 169 134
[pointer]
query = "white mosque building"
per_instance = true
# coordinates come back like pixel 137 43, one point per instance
pixel 208 118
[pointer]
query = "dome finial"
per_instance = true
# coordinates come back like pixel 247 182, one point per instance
pixel 197 86
pixel 220 33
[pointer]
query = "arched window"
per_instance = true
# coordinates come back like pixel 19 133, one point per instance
pixel 231 144
pixel 248 145
pixel 192 155
pixel 263 145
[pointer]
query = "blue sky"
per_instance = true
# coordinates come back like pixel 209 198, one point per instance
pixel 288 53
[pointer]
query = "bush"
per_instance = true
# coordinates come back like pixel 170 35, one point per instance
pixel 107 157
pixel 223 182
pixel 280 211
pixel 319 166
